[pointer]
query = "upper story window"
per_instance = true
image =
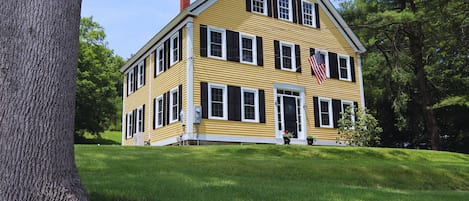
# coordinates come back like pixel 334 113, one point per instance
pixel 325 112
pixel 248 49
pixel 309 17
pixel 160 60
pixel 325 57
pixel 216 43
pixel 174 100
pixel 218 102
pixel 285 9
pixel 344 68
pixel 259 6
pixel 249 105
pixel 140 74
pixel 287 55
pixel 130 82
pixel 174 49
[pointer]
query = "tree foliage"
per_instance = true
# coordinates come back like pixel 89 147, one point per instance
pixel 415 71
pixel 358 128
pixel 99 82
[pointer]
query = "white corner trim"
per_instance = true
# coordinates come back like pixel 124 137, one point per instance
pixel 124 122
pixel 360 75
pixel 189 77
pixel 150 99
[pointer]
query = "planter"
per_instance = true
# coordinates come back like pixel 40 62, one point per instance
pixel 310 141
pixel 286 140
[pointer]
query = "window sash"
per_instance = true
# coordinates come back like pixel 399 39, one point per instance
pixel 249 107
pixel 248 49
pixel 259 6
pixel 325 113
pixel 140 120
pixel 140 72
pixel 309 17
pixel 174 114
pixel 287 56
pixel 160 60
pixel 130 82
pixel 159 111
pixel 344 68
pixel 285 10
pixel 174 49
pixel 129 124
pixel 218 103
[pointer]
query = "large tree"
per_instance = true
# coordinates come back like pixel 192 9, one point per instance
pixel 38 59
pixel 416 67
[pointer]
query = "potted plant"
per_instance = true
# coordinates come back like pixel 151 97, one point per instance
pixel 286 137
pixel 310 139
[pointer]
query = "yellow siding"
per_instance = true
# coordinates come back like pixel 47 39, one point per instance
pixel 209 70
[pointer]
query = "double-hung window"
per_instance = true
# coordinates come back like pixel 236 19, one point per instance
pixel 259 6
pixel 218 102
pixel 174 49
pixel 139 120
pixel 130 82
pixel 325 112
pixel 248 49
pixel 159 59
pixel 249 105
pixel 285 9
pixel 309 17
pixel 216 43
pixel 140 74
pixel 325 58
pixel 174 112
pixel 130 120
pixel 287 56
pixel 348 104
pixel 344 68
pixel 159 111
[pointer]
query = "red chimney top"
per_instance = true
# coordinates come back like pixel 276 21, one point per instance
pixel 185 4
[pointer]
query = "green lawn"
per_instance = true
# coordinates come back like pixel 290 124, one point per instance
pixel 106 138
pixel 270 172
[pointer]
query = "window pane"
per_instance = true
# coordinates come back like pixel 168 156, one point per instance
pixel 217 109
pixel 258 6
pixel 216 44
pixel 217 94
pixel 249 98
pixel 287 57
pixel 284 9
pixel 249 112
pixel 325 119
pixel 308 14
pixel 324 106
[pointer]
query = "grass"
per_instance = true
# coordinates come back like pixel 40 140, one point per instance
pixel 269 172
pixel 106 138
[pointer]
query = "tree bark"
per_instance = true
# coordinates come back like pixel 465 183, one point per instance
pixel 38 60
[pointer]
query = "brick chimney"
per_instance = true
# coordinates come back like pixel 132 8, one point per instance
pixel 185 4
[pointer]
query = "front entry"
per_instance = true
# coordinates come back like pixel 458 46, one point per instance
pixel 290 115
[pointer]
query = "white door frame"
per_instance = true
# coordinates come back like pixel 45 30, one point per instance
pixel 301 91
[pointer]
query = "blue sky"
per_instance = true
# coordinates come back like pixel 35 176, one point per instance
pixel 130 24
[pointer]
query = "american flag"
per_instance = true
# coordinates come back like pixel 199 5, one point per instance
pixel 318 67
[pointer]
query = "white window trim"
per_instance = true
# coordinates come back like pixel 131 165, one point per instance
pixel 254 48
pixel 140 74
pixel 175 90
pixel 351 105
pixel 264 5
pixel 129 124
pixel 329 100
pixel 139 119
pixel 160 48
pixel 290 11
pixel 225 101
pixel 172 61
pixel 326 62
pixel 293 56
pixel 314 25
pixel 223 42
pixel 130 82
pixel 157 109
pixel 347 62
pixel 256 105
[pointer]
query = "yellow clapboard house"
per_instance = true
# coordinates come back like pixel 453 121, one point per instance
pixel 237 71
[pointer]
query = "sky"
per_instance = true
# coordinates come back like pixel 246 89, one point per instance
pixel 130 24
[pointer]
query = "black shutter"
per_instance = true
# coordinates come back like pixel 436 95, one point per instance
pixel 135 78
pixel 277 54
pixel 316 11
pixel 269 8
pixel 298 58
pixel 155 63
pixel 126 129
pixel 180 45
pixel 312 52
pixel 127 84
pixel 355 106
pixel 336 109
pixel 164 109
pixel 234 103
pixel 167 52
pixel 260 51
pixel 248 5
pixel 180 101
pixel 232 43
pixel 333 65
pixel 352 69
pixel 168 108
pixel 143 118
pixel 204 99
pixel 300 11
pixel 275 6
pixel 203 40
pixel 295 12
pixel 316 112
pixel 154 113
pixel 261 106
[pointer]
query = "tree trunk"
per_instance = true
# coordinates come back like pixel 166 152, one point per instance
pixel 38 60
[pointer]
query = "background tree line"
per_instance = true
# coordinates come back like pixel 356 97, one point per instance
pixel 415 71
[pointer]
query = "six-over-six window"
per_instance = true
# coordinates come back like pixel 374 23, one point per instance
pixel 259 6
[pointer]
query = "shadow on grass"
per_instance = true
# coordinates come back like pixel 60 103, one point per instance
pixel 95 140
